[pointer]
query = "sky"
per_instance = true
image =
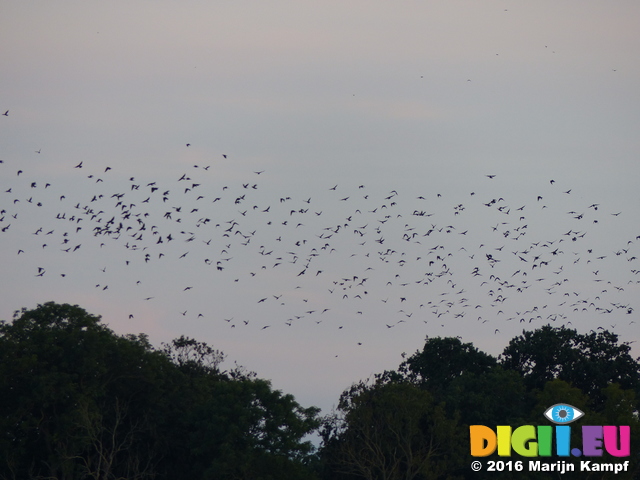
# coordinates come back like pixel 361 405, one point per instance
pixel 315 188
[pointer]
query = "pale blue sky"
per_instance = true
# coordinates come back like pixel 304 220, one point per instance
pixel 416 98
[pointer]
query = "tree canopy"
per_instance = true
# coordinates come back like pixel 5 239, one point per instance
pixel 587 361
pixel 78 401
pixel 459 385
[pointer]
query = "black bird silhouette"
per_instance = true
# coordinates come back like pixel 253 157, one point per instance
pixel 378 237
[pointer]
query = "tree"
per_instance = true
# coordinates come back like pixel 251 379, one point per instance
pixel 189 354
pixel 231 424
pixel 113 446
pixel 389 431
pixel 468 381
pixel 442 360
pixel 78 401
pixel 471 387
pixel 64 379
pixel 589 362
pixel 247 430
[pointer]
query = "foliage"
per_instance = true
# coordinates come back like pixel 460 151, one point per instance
pixel 450 385
pixel 467 380
pixel 390 431
pixel 80 402
pixel 589 362
pixel 443 360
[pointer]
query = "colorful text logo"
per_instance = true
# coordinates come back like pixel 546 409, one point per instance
pixel 534 441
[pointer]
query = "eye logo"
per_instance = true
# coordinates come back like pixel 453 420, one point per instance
pixel 562 413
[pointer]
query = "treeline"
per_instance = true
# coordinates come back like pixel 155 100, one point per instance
pixel 413 423
pixel 78 401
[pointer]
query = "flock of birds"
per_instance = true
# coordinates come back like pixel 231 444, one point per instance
pixel 327 255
